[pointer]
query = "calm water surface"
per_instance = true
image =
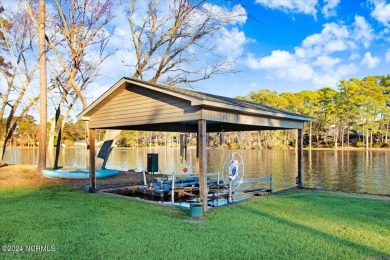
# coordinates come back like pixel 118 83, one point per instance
pixel 357 171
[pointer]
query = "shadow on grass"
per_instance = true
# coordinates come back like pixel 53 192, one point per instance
pixel 346 204
pixel 76 222
pixel 60 197
pixel 364 250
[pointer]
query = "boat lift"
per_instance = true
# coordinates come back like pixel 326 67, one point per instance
pixel 226 184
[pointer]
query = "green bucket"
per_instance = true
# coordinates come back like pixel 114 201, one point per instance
pixel 88 189
pixel 196 210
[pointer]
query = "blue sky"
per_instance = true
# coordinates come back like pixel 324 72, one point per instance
pixel 292 45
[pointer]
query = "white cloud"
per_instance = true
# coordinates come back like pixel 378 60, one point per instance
pixel 329 8
pixel 283 64
pixel 387 57
pixel 293 6
pixel 231 43
pixel 119 64
pixel 322 71
pixel 335 46
pixel 363 31
pixel 331 76
pixel 237 15
pixel 297 72
pixel 308 7
pixel 354 56
pixel 333 38
pixel 322 58
pixel 14 6
pixel 240 14
pixel 370 61
pixel 119 37
pixel 381 11
pixel 278 59
pixel 326 62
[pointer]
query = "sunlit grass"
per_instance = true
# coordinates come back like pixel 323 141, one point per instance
pixel 291 225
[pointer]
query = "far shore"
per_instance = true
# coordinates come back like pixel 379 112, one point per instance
pixel 348 148
pixel 345 148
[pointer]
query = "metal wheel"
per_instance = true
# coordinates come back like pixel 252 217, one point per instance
pixel 233 170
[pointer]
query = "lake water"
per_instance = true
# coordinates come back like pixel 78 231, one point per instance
pixel 352 170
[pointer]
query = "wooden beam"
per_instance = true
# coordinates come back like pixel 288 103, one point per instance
pixel 300 159
pixel 202 156
pixel 92 159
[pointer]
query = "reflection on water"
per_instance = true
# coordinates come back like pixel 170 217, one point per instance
pixel 357 170
pixel 354 170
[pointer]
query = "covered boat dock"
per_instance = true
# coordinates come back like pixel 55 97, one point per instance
pixel 133 104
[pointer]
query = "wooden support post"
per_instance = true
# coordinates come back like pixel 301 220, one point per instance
pixel 201 141
pixel 92 159
pixel 197 152
pixel 300 159
pixel 173 188
pixel 230 197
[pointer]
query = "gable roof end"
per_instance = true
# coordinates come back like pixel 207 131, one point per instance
pixel 199 99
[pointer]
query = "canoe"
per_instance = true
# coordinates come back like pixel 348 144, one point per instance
pixel 77 174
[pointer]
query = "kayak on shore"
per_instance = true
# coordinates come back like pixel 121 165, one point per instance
pixel 78 174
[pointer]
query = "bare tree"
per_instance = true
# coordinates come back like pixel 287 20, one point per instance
pixel 18 37
pixel 77 37
pixel 171 42
pixel 4 67
pixel 5 25
pixel 79 42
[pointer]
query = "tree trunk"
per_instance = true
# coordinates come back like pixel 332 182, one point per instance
pixel 310 134
pixel 50 142
pixel 372 140
pixel 58 147
pixel 42 87
pixel 2 151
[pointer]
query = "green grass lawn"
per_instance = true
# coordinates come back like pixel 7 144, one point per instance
pixel 291 225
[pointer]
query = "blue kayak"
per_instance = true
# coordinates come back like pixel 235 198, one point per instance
pixel 77 174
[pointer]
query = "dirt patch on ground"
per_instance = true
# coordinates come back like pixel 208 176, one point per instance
pixel 20 176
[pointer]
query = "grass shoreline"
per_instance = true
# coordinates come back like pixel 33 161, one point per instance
pixel 294 224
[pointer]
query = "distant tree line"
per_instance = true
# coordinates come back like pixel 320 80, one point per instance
pixel 357 113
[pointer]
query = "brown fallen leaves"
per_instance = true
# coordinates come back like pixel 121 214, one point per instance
pixel 24 176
